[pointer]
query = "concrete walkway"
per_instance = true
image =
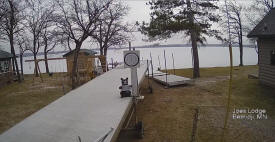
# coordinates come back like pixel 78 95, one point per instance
pixel 89 112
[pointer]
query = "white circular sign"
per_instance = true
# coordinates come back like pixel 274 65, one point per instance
pixel 131 59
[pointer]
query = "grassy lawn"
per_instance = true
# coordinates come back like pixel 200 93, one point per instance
pixel 20 100
pixel 168 113
pixel 245 93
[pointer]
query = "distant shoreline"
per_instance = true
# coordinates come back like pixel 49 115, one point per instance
pixel 144 46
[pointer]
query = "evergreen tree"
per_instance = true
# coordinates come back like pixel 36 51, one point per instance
pixel 192 17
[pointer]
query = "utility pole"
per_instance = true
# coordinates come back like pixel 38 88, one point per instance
pixel 231 70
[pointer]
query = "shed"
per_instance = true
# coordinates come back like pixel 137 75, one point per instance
pixel 85 64
pixel 265 34
pixel 5 67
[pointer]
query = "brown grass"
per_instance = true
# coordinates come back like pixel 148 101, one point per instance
pixel 168 113
pixel 20 100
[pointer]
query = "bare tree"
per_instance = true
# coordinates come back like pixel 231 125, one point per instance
pixel 20 41
pixel 68 43
pixel 64 41
pixel 49 41
pixel 38 16
pixel 78 19
pixel 10 25
pixel 111 30
pixel 255 14
pixel 257 11
pixel 235 17
pixel 3 10
pixel 266 4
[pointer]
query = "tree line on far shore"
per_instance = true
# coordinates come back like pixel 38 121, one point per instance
pixel 37 25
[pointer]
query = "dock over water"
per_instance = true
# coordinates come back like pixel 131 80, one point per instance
pixel 88 112
pixel 171 80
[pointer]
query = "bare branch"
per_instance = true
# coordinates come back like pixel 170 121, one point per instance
pixel 111 30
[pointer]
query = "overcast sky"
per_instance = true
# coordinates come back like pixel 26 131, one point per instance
pixel 139 11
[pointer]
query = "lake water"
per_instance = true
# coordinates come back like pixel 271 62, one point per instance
pixel 208 56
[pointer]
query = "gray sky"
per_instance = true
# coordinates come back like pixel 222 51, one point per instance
pixel 139 11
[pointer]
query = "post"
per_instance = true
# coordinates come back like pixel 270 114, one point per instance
pixel 112 63
pixel 152 64
pixel 173 64
pixel 192 58
pixel 131 60
pixel 159 64
pixel 130 46
pixel 148 79
pixel 230 74
pixel 165 68
pixel 148 73
pixel 134 81
pixel 195 125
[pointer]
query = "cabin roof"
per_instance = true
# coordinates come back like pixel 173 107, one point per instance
pixel 87 52
pixel 5 55
pixel 266 27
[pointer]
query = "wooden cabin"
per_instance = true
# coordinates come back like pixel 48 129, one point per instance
pixel 265 34
pixel 85 64
pixel 6 73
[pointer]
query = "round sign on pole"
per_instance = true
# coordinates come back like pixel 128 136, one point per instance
pixel 131 58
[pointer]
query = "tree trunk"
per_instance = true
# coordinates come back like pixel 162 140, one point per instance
pixel 11 22
pixel 13 64
pixel 103 52
pixel 258 51
pixel 241 43
pixel 46 62
pixel 35 65
pixel 74 69
pixel 258 55
pixel 68 44
pixel 21 65
pixel 196 68
pixel 14 57
pixel 105 55
pixel 241 53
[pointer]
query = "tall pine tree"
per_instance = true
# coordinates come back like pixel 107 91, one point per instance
pixel 192 17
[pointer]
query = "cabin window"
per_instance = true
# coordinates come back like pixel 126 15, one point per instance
pixel 273 57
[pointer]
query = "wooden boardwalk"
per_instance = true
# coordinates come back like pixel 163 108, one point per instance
pixel 88 112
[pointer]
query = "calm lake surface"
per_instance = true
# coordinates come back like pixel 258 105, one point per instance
pixel 208 56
